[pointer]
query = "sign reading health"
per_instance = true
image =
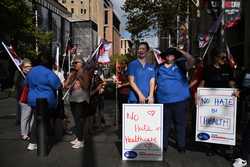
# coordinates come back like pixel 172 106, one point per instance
pixel 142 132
pixel 216 115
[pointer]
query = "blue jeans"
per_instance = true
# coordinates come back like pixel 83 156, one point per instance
pixel 176 113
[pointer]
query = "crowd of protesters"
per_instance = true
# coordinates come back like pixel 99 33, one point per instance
pixel 168 84
pixel 137 82
pixel 44 80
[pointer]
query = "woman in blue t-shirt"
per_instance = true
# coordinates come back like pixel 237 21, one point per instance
pixel 173 92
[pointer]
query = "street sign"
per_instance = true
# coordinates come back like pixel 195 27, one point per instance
pixel 142 132
pixel 216 115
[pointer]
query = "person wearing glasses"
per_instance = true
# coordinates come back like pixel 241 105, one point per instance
pixel 217 75
pixel 78 82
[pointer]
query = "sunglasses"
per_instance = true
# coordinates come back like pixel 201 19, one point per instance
pixel 27 66
pixel 76 62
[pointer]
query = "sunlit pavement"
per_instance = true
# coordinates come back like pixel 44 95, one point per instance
pixel 102 149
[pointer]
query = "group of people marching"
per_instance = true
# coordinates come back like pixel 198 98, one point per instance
pixel 170 84
pixel 42 81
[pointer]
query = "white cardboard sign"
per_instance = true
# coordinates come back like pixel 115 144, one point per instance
pixel 142 132
pixel 216 115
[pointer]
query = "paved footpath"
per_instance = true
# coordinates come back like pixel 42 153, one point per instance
pixel 103 149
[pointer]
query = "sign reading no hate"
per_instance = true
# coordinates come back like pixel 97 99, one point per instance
pixel 142 132
pixel 216 115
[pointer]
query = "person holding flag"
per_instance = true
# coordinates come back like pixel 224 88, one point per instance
pixel 78 84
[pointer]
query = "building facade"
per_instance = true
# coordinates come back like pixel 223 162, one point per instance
pixel 99 12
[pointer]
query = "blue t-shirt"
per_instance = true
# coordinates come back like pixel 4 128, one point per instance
pixel 42 83
pixel 172 84
pixel 142 76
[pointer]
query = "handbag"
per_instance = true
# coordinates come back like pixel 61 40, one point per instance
pixel 24 94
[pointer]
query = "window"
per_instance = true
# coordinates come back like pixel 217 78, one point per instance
pixel 81 11
pixel 81 2
pixel 106 17
pixel 72 10
pixel 84 11
pixel 63 1
pixel 72 1
pixel 121 43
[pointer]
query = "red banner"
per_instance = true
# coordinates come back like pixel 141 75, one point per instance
pixel 232 12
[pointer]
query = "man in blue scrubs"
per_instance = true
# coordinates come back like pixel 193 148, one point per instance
pixel 173 92
pixel 141 76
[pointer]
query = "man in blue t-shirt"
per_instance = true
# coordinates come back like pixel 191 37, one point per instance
pixel 141 76
pixel 173 92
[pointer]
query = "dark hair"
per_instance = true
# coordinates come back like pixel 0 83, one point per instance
pixel 45 60
pixel 215 53
pixel 171 51
pixel 146 44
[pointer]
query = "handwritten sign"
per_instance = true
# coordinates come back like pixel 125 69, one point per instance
pixel 142 132
pixel 216 115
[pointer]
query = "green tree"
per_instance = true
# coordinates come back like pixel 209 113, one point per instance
pixel 144 15
pixel 17 23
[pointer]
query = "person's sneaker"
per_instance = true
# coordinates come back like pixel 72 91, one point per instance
pixel 25 137
pixel 74 141
pixel 239 163
pixel 32 147
pixel 79 144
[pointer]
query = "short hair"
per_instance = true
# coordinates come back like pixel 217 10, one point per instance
pixel 146 44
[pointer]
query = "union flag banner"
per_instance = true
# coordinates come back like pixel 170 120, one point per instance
pixel 231 12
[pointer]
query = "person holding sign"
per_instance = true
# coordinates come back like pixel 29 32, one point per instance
pixel 217 75
pixel 141 76
pixel 173 92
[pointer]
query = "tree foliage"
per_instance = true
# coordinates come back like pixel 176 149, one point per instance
pixel 18 24
pixel 143 15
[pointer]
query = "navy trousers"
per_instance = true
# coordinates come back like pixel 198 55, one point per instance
pixel 175 113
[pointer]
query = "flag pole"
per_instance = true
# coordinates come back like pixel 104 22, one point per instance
pixel 89 58
pixel 13 60
pixel 116 94
pixel 208 46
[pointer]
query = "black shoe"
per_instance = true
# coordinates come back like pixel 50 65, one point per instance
pixel 182 150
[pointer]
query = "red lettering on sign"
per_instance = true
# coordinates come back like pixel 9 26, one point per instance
pixel 139 128
pixel 138 138
pixel 133 116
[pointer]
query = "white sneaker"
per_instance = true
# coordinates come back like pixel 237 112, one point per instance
pixel 74 141
pixel 79 144
pixel 32 147
pixel 239 163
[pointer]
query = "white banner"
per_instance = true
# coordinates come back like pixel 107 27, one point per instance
pixel 216 115
pixel 142 132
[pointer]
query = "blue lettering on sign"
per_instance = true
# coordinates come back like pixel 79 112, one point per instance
pixel 214 110
pixel 205 100
pixel 223 102
pixel 219 122
pixel 130 154
pixel 203 136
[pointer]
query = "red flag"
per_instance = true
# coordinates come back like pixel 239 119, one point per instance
pixel 203 40
pixel 17 59
pixel 104 52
